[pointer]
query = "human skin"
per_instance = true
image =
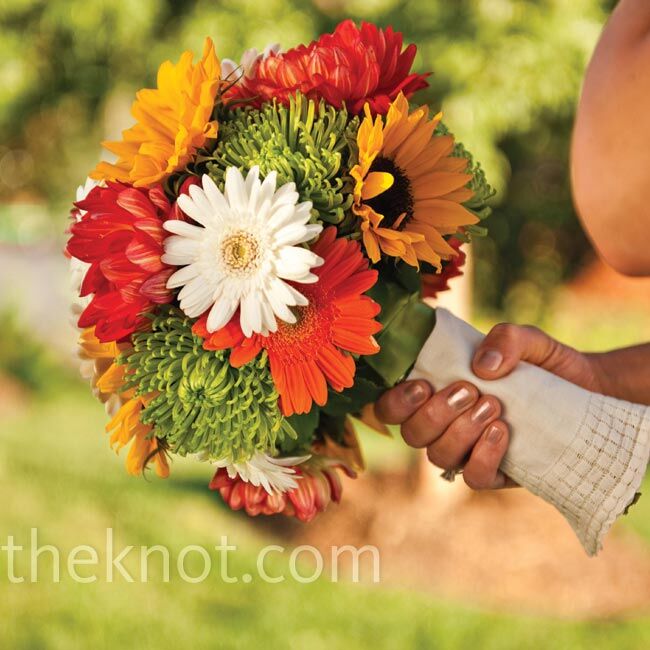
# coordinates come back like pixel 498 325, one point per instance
pixel 461 428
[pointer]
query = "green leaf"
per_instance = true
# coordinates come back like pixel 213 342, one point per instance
pixel 352 400
pixel 407 323
pixel 305 426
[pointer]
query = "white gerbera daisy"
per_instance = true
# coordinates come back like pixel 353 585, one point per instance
pixel 275 475
pixel 248 59
pixel 245 246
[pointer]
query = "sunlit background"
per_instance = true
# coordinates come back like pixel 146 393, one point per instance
pixel 459 570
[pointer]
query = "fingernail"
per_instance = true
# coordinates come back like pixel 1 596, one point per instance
pixel 493 434
pixel 415 394
pixel 460 398
pixel 483 412
pixel 489 360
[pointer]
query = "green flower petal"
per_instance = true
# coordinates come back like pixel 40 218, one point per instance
pixel 304 143
pixel 202 404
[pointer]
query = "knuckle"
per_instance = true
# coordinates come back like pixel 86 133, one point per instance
pixel 387 407
pixel 533 330
pixel 435 414
pixel 410 435
pixel 506 331
pixel 436 457
pixel 474 480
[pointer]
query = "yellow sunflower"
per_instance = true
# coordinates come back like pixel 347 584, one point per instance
pixel 409 189
pixel 173 121
pixel 107 379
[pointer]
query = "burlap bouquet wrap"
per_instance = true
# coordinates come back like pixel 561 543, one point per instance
pixel 584 453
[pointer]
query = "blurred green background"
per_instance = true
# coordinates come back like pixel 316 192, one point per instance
pixel 507 75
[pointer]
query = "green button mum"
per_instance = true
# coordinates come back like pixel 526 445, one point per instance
pixel 201 404
pixel 305 143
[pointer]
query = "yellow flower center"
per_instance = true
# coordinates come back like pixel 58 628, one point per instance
pixel 240 252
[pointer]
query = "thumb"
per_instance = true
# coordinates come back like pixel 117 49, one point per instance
pixel 506 345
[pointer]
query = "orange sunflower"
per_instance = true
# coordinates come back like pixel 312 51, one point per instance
pixel 409 188
pixel 316 351
pixel 107 379
pixel 173 121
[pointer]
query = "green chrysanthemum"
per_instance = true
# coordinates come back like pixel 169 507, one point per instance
pixel 201 403
pixel 304 142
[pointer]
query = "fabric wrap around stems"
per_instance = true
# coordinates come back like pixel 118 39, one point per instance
pixel 584 453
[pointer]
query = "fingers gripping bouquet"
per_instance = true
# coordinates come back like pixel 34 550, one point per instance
pixel 252 264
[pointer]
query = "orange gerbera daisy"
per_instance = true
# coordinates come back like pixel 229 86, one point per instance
pixel 107 379
pixel 316 351
pixel 409 189
pixel 173 121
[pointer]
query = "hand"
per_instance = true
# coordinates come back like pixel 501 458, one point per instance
pixel 462 429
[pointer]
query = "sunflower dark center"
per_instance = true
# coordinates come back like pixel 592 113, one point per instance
pixel 397 199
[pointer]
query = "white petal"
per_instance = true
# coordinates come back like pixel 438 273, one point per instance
pixel 281 217
pixel 198 304
pixel 220 314
pixel 184 229
pixel 228 66
pixel 178 278
pixel 304 212
pixel 294 233
pixel 190 208
pixel 293 263
pixel 217 200
pixel 203 205
pixel 286 194
pixel 251 314
pixel 180 250
pixel 313 230
pixel 278 305
pixel 235 190
pixel 184 275
pixel 269 324
pixel 298 298
pixel 282 294
pixel 195 298
pixel 252 186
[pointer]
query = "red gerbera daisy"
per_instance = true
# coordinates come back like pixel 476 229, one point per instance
pixel 435 283
pixel 316 350
pixel 352 65
pixel 121 237
pixel 319 484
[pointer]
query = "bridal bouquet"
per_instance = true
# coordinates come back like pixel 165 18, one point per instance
pixel 251 265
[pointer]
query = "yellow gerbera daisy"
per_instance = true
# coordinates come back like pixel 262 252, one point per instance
pixel 173 121
pixel 125 427
pixel 107 379
pixel 99 367
pixel 408 187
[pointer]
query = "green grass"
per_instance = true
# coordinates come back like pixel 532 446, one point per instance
pixel 57 474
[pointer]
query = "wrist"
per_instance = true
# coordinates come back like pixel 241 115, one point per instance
pixel 606 373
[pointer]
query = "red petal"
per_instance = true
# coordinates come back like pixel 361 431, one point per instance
pixel 155 288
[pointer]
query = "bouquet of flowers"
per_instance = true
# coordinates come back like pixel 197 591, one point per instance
pixel 251 266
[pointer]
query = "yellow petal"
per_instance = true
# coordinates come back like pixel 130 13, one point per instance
pixel 375 183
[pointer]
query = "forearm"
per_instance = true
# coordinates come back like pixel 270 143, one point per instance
pixel 625 373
